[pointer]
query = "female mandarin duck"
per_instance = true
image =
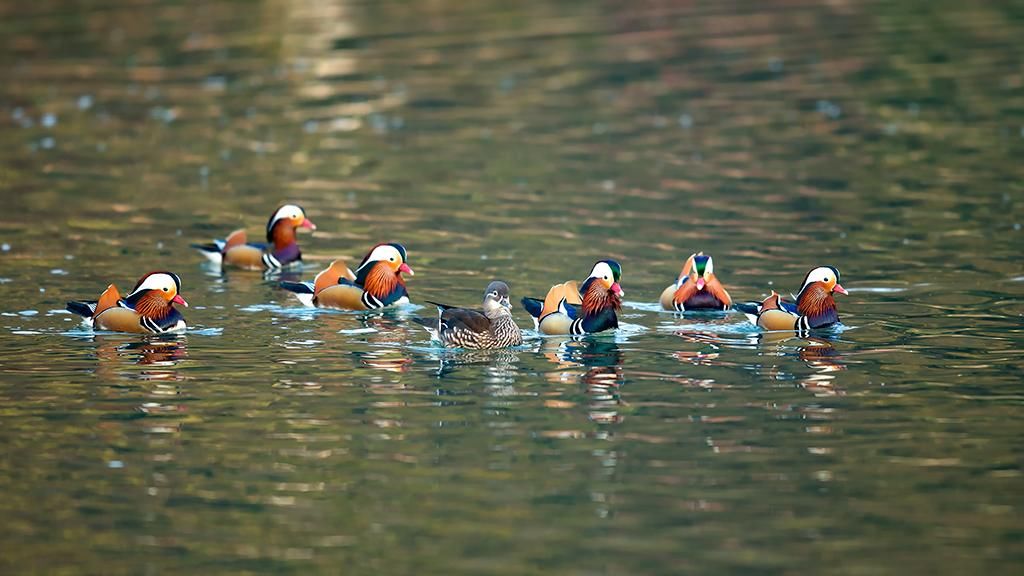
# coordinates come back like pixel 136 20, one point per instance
pixel 815 307
pixel 492 327
pixel 566 310
pixel 281 250
pixel 697 288
pixel 149 309
pixel 376 283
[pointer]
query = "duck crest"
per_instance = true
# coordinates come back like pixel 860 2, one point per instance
pixel 596 298
pixel 817 304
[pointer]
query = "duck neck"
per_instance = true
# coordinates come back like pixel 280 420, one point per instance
pixel 817 304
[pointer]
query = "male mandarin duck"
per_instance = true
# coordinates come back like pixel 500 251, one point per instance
pixel 149 309
pixel 376 283
pixel 815 307
pixel 697 288
pixel 566 310
pixel 492 327
pixel 281 250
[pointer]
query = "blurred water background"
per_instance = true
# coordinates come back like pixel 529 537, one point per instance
pixel 521 141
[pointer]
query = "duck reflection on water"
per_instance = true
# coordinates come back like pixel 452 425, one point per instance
pixel 596 364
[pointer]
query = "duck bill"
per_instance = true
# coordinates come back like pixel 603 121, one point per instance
pixel 307 223
pixel 405 269
pixel 179 300
pixel 617 290
pixel 700 283
pixel 840 290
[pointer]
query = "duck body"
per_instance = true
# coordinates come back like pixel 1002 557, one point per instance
pixel 815 306
pixel 591 309
pixel 697 288
pixel 377 282
pixel 148 309
pixel 490 328
pixel 280 252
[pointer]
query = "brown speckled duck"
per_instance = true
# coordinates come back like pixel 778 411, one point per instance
pixel 491 327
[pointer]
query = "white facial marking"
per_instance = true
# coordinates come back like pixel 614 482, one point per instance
pixel 602 270
pixel 709 268
pixel 819 274
pixel 163 282
pixel 385 253
pixel 286 212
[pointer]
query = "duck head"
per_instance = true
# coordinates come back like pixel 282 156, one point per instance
pixel 823 278
pixel 392 256
pixel 155 294
pixel 702 271
pixel 601 289
pixel 284 222
pixel 815 299
pixel 496 299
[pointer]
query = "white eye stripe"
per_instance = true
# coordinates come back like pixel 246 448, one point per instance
pixel 601 270
pixel 379 253
pixel 162 282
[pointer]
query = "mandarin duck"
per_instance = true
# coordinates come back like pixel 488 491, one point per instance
pixel 491 327
pixel 566 310
pixel 281 250
pixel 697 288
pixel 149 309
pixel 376 283
pixel 815 307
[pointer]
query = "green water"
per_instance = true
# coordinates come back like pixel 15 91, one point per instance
pixel 520 141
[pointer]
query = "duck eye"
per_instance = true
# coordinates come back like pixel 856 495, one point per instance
pixel 165 289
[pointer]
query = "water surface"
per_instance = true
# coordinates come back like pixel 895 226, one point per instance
pixel 520 141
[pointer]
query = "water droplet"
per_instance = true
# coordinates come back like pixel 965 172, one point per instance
pixel 685 121
pixel 59 272
pixel 775 65
pixel 115 464
pixel 17 113
pixel 84 102
pixel 5 247
pixel 1016 226
pixel 47 143
pixel 49 120
pixel 310 126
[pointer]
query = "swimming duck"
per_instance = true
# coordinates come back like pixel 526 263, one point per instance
pixel 697 288
pixel 566 310
pixel 492 327
pixel 815 307
pixel 376 283
pixel 281 250
pixel 149 309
